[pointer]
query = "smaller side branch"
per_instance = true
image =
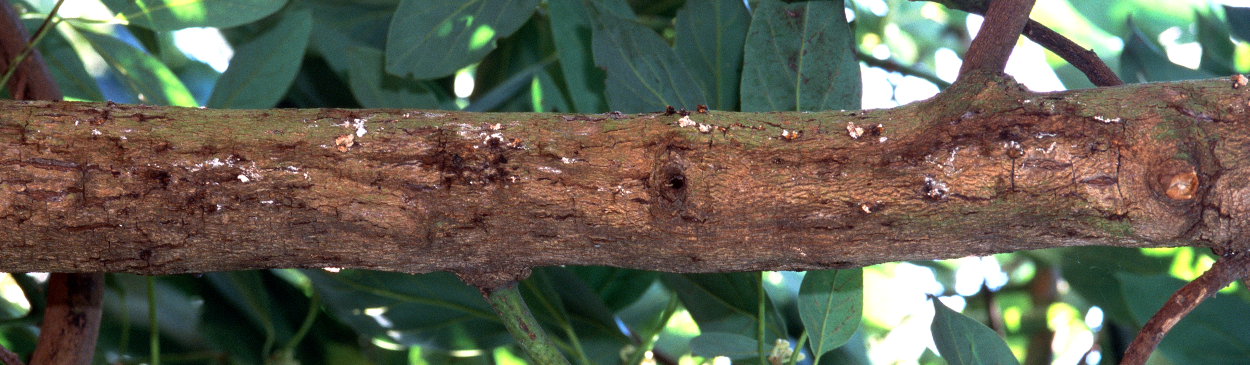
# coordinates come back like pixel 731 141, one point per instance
pixel 9 358
pixel 520 322
pixel 988 53
pixel 1232 266
pixel 71 321
pixel 1083 59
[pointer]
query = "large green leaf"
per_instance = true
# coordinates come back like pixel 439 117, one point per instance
pixel 1141 61
pixel 644 74
pixel 1192 340
pixel 344 27
pixel 434 38
pixel 799 58
pixel 178 14
pixel 1087 269
pixel 374 88
pixel 726 303
pixel 263 68
pixel 67 68
pixel 435 311
pixel 617 287
pixel 1239 15
pixel 572 29
pixel 710 36
pixel 144 76
pixel 732 345
pixel 1217 46
pixel 831 304
pixel 964 341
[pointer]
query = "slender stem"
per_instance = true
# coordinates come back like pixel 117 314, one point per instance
pixel 646 341
pixel 759 332
pixel 154 330
pixel 894 66
pixel 798 347
pixel 314 306
pixel 520 322
pixel 30 46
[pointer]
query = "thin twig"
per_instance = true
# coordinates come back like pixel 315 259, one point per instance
pixel 9 358
pixel 520 322
pixel 1083 59
pixel 1231 266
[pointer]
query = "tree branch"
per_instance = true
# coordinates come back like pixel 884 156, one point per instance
pixel 1232 266
pixel 989 51
pixel 92 187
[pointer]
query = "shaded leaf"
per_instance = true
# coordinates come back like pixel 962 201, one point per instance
pixel 572 31
pixel 710 36
pixel 67 68
pixel 435 38
pixel 374 88
pixel 263 68
pixel 1192 340
pixel 725 302
pixel 643 72
pixel 435 311
pixel 504 79
pixel 144 76
pixel 731 345
pixel 1217 46
pixel 831 304
pixel 1238 17
pixel 1141 61
pixel 1087 270
pixel 342 28
pixel 799 58
pixel 964 341
pixel 179 14
pixel 617 287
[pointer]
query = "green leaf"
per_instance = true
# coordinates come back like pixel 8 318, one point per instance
pixel 964 341
pixel 263 68
pixel 66 66
pixel 710 37
pixel 831 304
pixel 725 302
pixel 179 14
pixel 1207 327
pixel 1239 15
pixel 435 38
pixel 1141 61
pixel 435 311
pixel 617 287
pixel 572 31
pixel 644 74
pixel 344 27
pixel 799 58
pixel 144 76
pixel 1217 46
pixel 731 345
pixel 1087 270
pixel 374 88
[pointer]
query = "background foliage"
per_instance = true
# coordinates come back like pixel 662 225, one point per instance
pixel 592 56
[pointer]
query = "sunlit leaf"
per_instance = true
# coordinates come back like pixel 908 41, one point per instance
pixel 964 341
pixel 831 304
pixel 144 76
pixel 67 68
pixel 710 36
pixel 643 72
pixel 179 14
pixel 799 58
pixel 1141 61
pixel 431 39
pixel 1217 47
pixel 263 68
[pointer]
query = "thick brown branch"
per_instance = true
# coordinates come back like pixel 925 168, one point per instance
pixel 71 322
pixel 989 51
pixel 32 81
pixel 101 187
pixel 1230 267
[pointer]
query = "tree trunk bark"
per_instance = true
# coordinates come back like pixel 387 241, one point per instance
pixel 90 187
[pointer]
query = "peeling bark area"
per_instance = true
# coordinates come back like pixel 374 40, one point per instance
pixel 100 187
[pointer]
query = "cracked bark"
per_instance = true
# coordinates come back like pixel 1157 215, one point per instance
pixel 117 188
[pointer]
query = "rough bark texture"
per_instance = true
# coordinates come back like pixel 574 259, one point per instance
pixel 118 188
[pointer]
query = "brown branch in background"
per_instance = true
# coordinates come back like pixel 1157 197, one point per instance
pixel 9 358
pixel 988 53
pixel 1232 266
pixel 32 81
pixel 1083 59
pixel 71 321
pixel 1043 291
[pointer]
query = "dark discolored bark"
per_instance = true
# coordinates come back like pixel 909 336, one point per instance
pixel 979 170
